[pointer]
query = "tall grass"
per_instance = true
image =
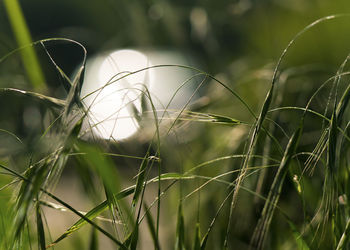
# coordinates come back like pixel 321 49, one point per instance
pixel 272 178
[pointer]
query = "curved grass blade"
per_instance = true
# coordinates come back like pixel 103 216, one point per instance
pixel 66 82
pixel 11 134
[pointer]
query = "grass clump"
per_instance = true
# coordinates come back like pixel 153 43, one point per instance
pixel 271 178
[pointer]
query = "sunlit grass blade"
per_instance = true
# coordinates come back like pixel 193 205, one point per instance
pixel 343 242
pixel 261 230
pixel 103 206
pixel 93 213
pixel 22 34
pixel 50 101
pixel 187 115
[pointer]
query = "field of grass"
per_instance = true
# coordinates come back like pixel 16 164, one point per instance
pixel 260 159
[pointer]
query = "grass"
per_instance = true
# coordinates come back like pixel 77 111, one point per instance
pixel 275 177
pixel 29 57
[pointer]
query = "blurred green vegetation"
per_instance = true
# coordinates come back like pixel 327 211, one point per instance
pixel 239 43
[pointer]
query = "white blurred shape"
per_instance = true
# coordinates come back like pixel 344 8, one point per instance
pixel 113 95
pixel 110 109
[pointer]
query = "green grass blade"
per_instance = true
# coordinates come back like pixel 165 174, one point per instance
pixel 127 191
pixel 50 101
pixel 206 236
pixel 344 100
pixel 332 143
pixel 135 238
pixel 197 238
pixel 93 213
pixel 301 243
pixel 96 211
pixel 73 96
pixel 40 228
pixel 180 229
pixel 102 165
pixel 28 191
pixel 262 228
pixel 11 134
pixel 93 240
pixel 140 180
pixel 81 222
pixel 187 115
pixel 152 229
pixel 342 244
pixel 132 239
pixel 22 34
pixel 66 82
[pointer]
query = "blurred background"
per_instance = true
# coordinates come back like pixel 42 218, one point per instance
pixel 238 42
